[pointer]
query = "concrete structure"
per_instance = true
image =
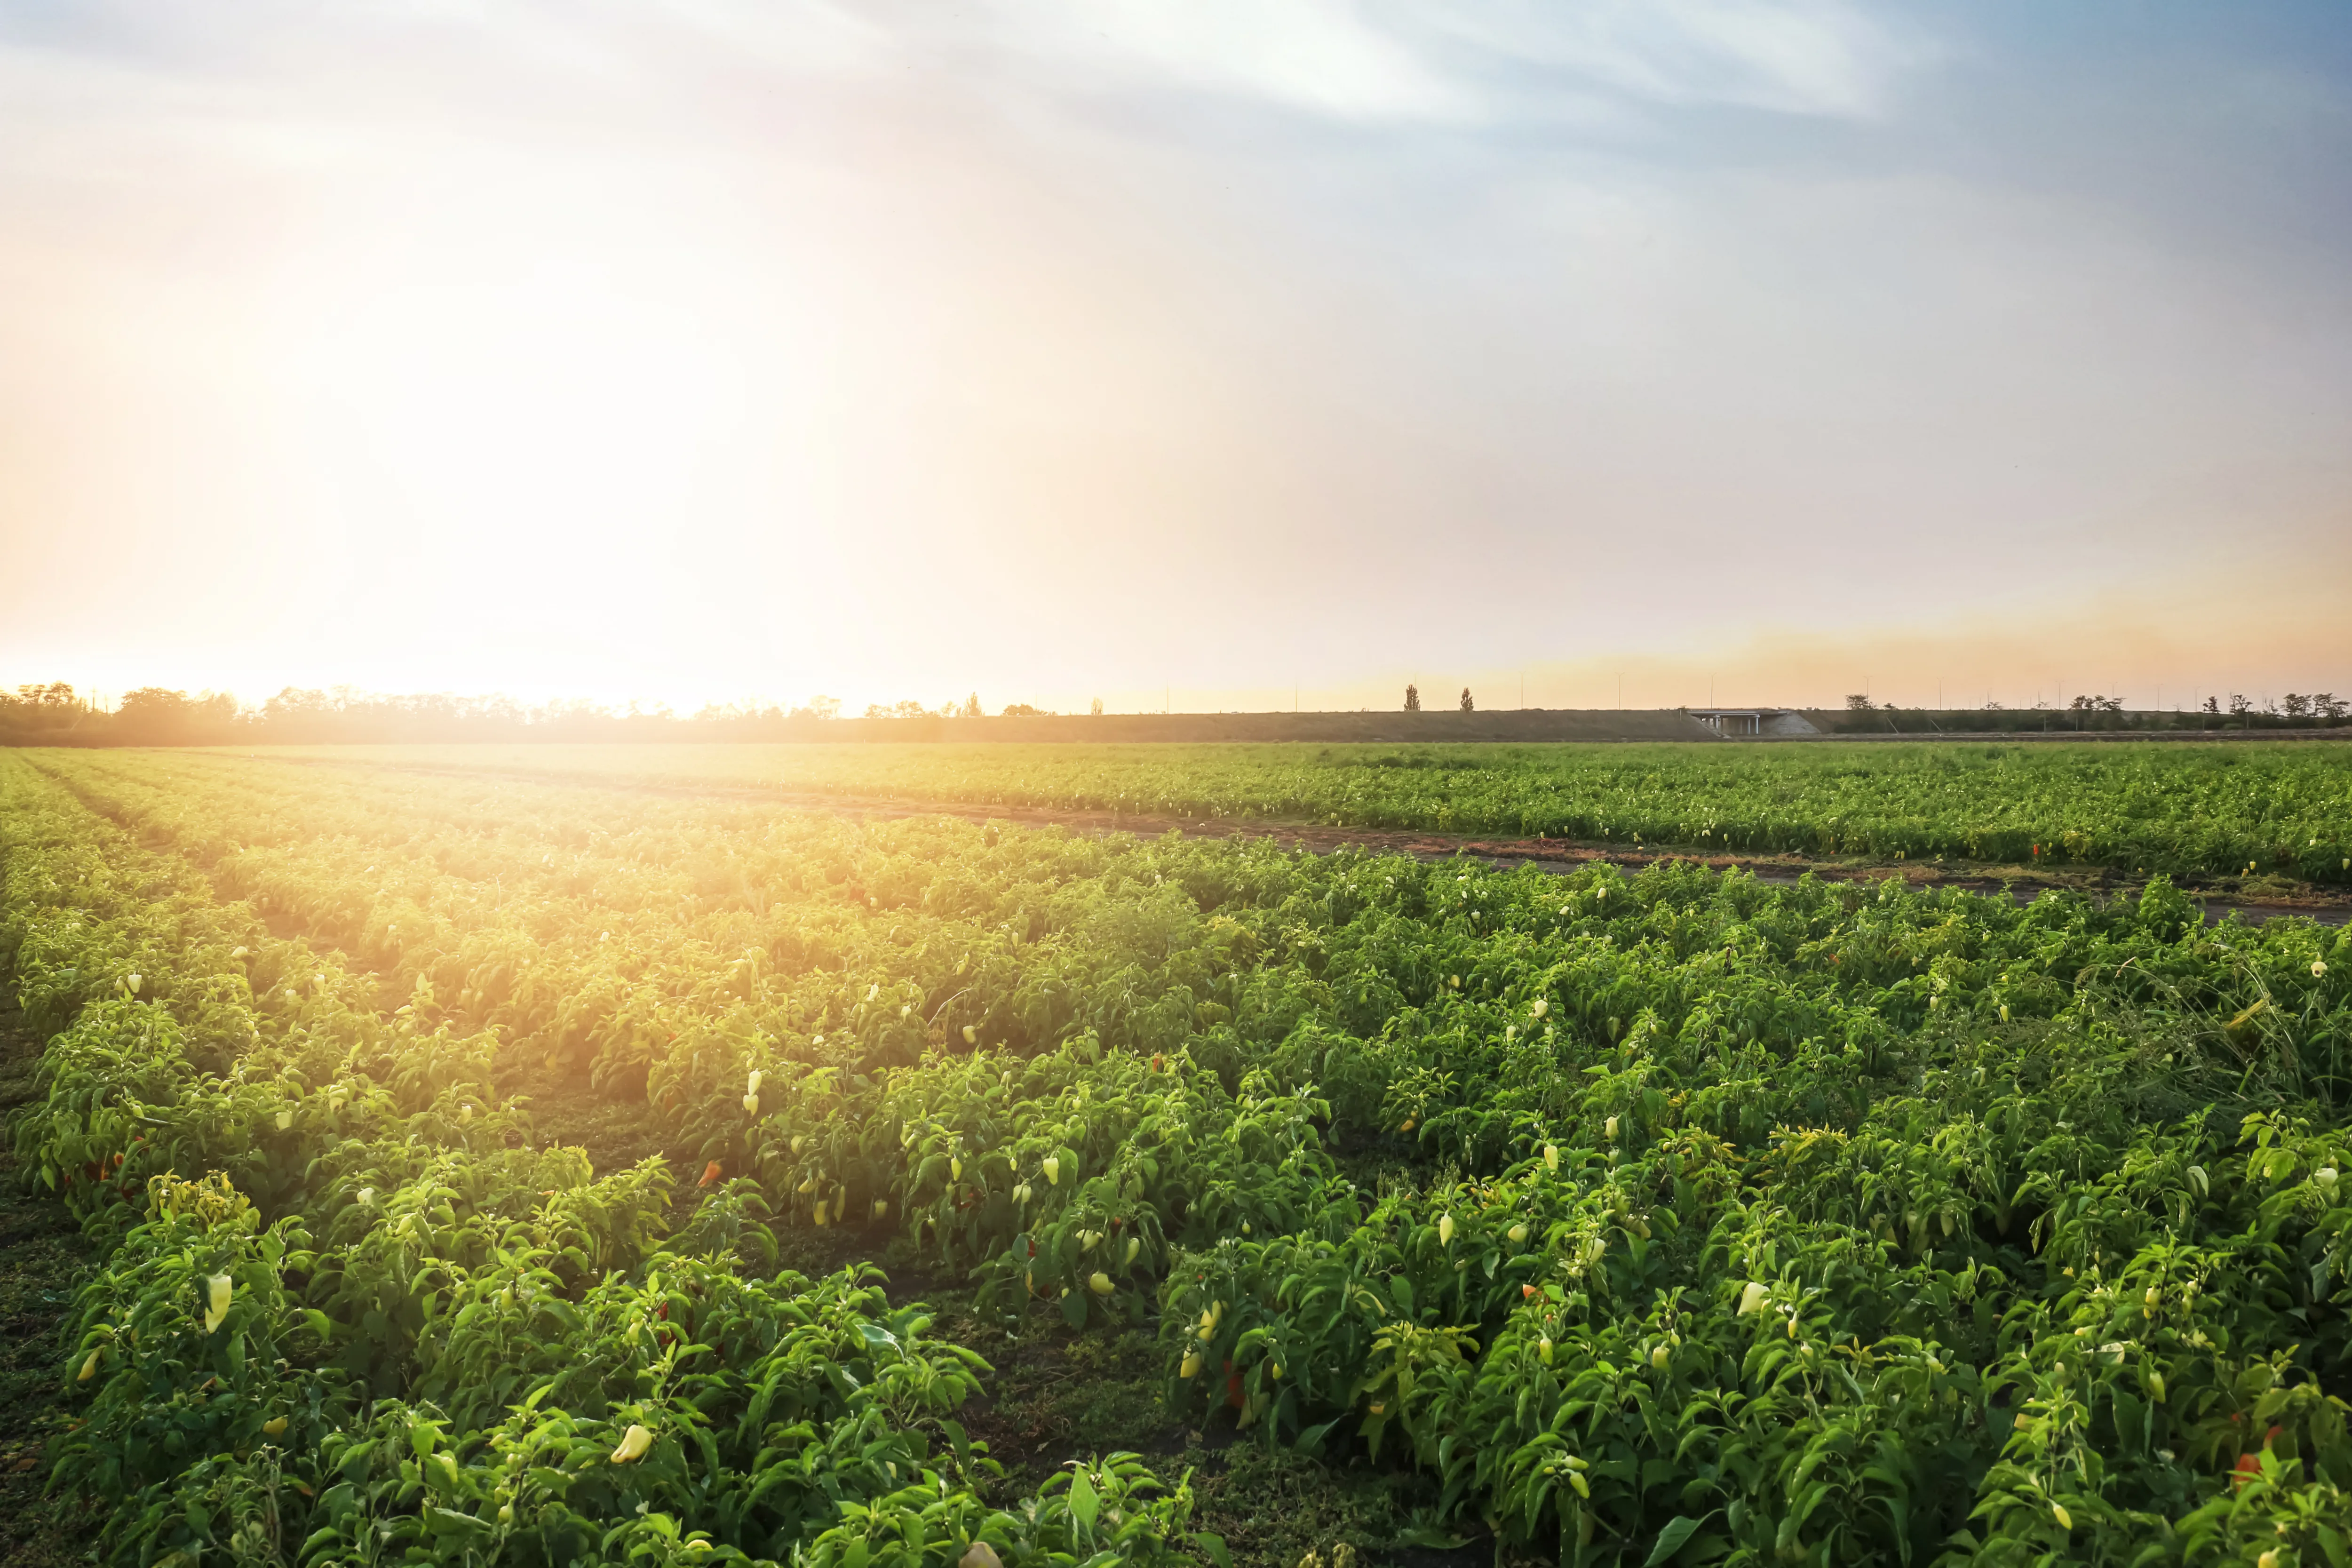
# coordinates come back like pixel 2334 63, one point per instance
pixel 1734 722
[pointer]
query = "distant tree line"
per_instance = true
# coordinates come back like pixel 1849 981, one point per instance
pixel 2093 712
pixel 57 715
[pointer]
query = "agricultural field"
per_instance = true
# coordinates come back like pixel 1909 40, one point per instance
pixel 2273 814
pixel 530 1166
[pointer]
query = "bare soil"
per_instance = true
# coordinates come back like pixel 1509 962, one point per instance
pixel 43 1262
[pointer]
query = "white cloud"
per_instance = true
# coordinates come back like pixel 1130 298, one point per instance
pixel 1428 62
pixel 1470 61
pixel 1324 56
pixel 1795 57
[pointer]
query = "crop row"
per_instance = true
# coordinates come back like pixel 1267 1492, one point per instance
pixel 2182 810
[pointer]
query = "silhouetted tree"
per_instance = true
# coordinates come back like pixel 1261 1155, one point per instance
pixel 1412 699
pixel 154 716
pixel 1467 704
pixel 1857 701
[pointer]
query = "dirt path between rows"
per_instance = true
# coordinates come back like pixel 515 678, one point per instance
pixel 43 1262
pixel 2022 884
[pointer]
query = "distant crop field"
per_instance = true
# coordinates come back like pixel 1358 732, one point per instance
pixel 2183 810
pixel 513 1169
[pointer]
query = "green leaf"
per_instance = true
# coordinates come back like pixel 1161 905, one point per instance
pixel 1671 1540
pixel 448 1521
pixel 1213 1548
pixel 1429 1535
pixel 1083 1501
pixel 1310 1441
pixel 959 1440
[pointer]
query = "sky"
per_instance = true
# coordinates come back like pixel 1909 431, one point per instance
pixel 1205 354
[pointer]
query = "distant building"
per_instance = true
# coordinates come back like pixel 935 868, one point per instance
pixel 1734 722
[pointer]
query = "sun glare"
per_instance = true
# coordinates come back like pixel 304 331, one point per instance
pixel 562 406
